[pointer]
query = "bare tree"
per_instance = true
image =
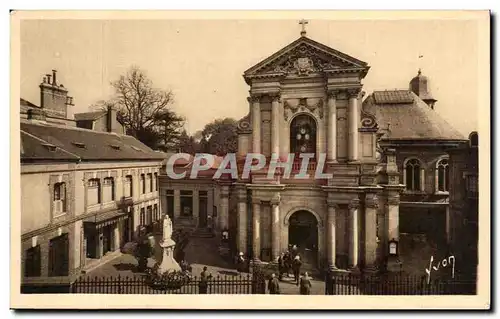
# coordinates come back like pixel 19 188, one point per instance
pixel 144 110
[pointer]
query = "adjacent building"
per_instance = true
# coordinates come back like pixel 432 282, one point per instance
pixel 84 193
pixel 409 124
pixel 464 207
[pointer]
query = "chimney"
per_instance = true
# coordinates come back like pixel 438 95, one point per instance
pixel 112 122
pixel 54 81
pixel 53 97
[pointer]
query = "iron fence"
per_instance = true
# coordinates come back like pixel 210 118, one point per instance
pixel 398 284
pixel 241 284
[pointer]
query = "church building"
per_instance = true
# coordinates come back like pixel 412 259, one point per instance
pixel 307 98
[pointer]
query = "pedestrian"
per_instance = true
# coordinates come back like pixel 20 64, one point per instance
pixel 296 269
pixel 305 285
pixel 240 262
pixel 286 263
pixel 204 278
pixel 273 285
pixel 281 266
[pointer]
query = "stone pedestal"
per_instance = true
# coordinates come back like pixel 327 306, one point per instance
pixel 168 262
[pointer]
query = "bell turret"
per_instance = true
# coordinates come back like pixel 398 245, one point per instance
pixel 420 86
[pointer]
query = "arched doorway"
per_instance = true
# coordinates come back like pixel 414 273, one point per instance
pixel 303 135
pixel 303 232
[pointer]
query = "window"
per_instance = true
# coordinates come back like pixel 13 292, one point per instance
pixel 143 217
pixel 156 181
pixel 203 208
pixel 186 203
pixel 156 214
pixel 170 203
pixel 128 186
pixel 412 175
pixel 471 182
pixel 59 198
pixel 302 135
pixel 143 183
pixel 94 191
pixel 149 215
pixel 59 256
pixel 442 175
pixel 109 189
pixel 150 178
pixel 33 262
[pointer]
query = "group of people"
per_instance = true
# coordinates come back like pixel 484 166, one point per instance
pixel 273 285
pixel 289 261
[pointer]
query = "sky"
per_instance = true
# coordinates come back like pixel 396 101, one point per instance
pixel 202 61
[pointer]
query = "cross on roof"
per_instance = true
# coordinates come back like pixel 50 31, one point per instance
pixel 303 22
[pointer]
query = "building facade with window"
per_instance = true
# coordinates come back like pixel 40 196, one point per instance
pixel 409 124
pixel 192 204
pixel 464 206
pixel 80 196
pixel 306 101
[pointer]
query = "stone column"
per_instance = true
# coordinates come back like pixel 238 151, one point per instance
pixel 330 235
pixel 276 230
pixel 332 127
pixel 275 125
pixel 242 221
pixel 256 229
pixel 353 234
pixel 256 124
pixel 353 115
pixel 224 208
pixel 371 206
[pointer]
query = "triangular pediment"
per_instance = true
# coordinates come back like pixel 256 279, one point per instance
pixel 305 56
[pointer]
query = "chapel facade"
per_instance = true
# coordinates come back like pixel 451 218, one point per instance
pixel 307 99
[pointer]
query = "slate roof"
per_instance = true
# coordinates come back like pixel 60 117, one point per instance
pixel 89 116
pixel 408 117
pixel 73 143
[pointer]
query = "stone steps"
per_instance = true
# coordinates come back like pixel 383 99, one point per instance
pixel 202 233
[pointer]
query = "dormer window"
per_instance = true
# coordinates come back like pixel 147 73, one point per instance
pixel 114 146
pixel 78 144
pixel 50 147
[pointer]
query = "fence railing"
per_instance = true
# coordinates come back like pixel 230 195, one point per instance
pixel 242 284
pixel 358 284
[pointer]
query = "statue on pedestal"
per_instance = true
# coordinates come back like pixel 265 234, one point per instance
pixel 168 262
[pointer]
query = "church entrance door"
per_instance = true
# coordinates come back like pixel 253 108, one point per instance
pixel 303 233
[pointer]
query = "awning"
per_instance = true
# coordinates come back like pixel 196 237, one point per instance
pixel 107 218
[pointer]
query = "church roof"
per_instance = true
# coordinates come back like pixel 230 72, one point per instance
pixel 402 115
pixel 44 141
pixel 321 58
